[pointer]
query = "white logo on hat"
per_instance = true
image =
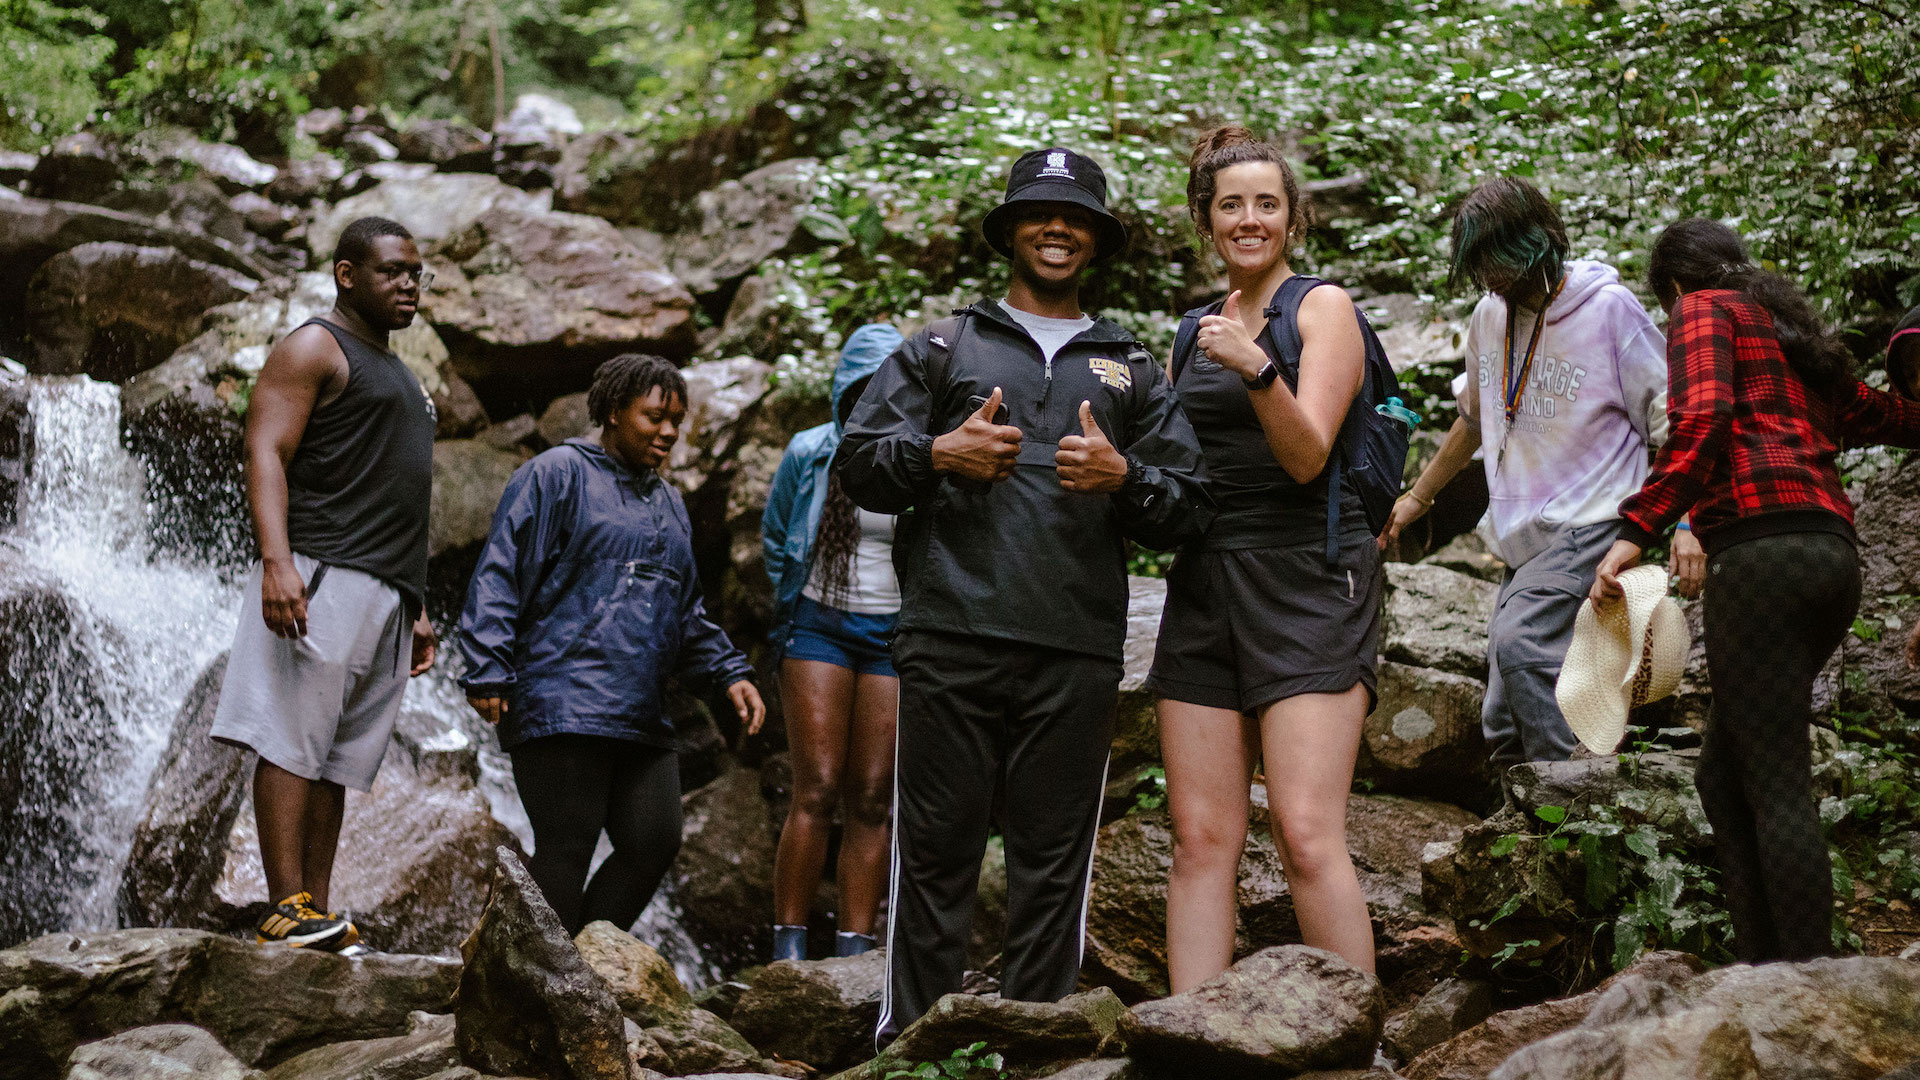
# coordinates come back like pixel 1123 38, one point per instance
pixel 1057 165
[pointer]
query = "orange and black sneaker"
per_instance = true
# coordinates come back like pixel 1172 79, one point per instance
pixel 294 921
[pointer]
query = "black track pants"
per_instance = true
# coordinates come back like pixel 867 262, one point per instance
pixel 573 786
pixel 975 712
pixel 1776 608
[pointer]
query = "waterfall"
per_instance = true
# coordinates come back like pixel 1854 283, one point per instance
pixel 103 640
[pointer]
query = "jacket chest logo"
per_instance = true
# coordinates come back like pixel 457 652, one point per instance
pixel 1112 372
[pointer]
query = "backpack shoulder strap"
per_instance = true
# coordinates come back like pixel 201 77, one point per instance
pixel 1283 318
pixel 1184 339
pixel 941 336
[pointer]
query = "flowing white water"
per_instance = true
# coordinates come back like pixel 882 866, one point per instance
pixel 148 625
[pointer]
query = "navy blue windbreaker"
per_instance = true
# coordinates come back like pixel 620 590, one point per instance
pixel 585 600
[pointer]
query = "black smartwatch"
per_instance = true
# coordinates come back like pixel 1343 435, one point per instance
pixel 1264 378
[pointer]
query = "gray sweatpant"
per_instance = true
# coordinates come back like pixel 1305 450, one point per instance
pixel 1527 641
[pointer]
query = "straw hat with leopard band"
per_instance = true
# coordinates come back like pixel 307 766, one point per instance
pixel 1624 655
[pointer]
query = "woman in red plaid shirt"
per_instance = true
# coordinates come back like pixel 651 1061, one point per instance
pixel 1761 397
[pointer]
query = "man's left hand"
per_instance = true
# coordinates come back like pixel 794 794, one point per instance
pixel 1088 462
pixel 746 701
pixel 425 645
pixel 1623 555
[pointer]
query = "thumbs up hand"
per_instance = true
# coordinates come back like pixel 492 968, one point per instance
pixel 1087 461
pixel 1227 342
pixel 979 449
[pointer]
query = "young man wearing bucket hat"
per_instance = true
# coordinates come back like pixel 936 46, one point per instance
pixel 1023 442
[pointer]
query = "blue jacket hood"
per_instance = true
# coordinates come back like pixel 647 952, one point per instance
pixel 866 349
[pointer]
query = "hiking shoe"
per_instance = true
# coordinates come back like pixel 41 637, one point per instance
pixel 294 921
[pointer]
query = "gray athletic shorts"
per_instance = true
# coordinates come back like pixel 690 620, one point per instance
pixel 322 706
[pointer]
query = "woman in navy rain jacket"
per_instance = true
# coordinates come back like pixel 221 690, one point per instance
pixel 584 602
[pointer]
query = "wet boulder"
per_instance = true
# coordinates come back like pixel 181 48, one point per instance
pixel 432 207
pixel 452 145
pixel 58 744
pixel 16 440
pixel 1654 788
pixel 1282 1010
pixel 426 1049
pixel 78 167
pixel 527 1003
pixel 722 880
pixel 413 862
pixel 158 1052
pixel 192 802
pixel 194 205
pixel 642 981
pixel 1856 1016
pixel 1424 738
pixel 1477 1051
pixel 263 1005
pixel 1127 914
pixel 1032 1037
pixel 1877 677
pixel 533 302
pixel 172 152
pixel 468 477
pixel 567 418
pixel 1451 1007
pixel 744 222
pixel 821 1012
pixel 1437 618
pixel 111 310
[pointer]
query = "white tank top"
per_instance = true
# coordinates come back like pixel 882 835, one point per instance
pixel 871 587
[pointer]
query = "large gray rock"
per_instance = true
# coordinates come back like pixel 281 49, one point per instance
pixel 423 1051
pixel 16 441
pixel 413 862
pixel 1032 1037
pixel 174 151
pixel 1414 338
pixel 194 205
pixel 262 1004
pixel 744 222
pixel 1838 1019
pixel 1127 914
pixel 1437 618
pixel 79 167
pixel 432 207
pixel 1876 675
pixel 1284 1009
pixel 822 1012
pixel 1655 788
pixel 453 145
pixel 1424 738
pixel 1448 1009
pixel 468 477
pixel 535 301
pixel 527 1002
pixel 58 746
pixel 642 981
pixel 111 310
pixel 34 230
pixel 158 1052
pixel 1477 1051
pixel 192 801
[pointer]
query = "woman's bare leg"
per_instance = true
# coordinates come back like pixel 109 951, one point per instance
pixel 818 699
pixel 1310 744
pixel 867 788
pixel 1208 754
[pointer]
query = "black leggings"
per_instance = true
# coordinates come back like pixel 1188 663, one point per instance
pixel 1776 608
pixel 575 785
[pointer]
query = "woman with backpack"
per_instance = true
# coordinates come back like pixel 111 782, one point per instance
pixel 1762 395
pixel 1267 644
pixel 836 604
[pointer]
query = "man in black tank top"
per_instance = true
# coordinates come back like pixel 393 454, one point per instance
pixel 339 478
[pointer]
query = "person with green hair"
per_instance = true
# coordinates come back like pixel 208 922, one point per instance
pixel 1565 391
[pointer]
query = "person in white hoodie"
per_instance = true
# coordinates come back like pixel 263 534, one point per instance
pixel 1565 409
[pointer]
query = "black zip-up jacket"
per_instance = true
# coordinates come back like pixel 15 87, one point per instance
pixel 1024 560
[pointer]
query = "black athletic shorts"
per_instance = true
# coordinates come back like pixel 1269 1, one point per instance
pixel 1246 628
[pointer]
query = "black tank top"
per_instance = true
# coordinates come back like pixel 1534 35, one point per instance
pixel 361 482
pixel 1259 504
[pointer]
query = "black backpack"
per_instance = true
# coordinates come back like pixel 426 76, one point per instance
pixel 1370 453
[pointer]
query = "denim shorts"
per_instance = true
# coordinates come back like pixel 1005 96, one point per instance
pixel 861 643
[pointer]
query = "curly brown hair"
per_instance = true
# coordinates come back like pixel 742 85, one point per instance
pixel 1229 145
pixel 834 543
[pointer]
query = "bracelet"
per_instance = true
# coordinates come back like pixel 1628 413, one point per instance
pixel 1415 496
pixel 1683 525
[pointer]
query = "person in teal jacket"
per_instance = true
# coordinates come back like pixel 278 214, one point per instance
pixel 836 602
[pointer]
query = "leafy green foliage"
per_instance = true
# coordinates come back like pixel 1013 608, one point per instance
pixel 972 1062
pixel 49 59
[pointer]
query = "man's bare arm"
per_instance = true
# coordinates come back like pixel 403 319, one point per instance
pixel 305 370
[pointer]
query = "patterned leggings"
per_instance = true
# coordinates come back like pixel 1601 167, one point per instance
pixel 1776 608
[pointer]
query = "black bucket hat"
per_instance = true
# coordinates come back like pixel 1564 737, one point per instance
pixel 1056 175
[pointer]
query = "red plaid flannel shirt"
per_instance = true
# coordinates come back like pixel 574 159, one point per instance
pixel 1745 434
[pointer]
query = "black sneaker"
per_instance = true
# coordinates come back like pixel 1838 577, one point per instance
pixel 294 922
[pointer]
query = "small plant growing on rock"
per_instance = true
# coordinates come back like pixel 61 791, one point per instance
pixel 967 1063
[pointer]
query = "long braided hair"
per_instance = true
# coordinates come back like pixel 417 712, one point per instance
pixel 1700 253
pixel 833 545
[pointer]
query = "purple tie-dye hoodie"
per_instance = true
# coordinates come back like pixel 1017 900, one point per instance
pixel 1595 400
